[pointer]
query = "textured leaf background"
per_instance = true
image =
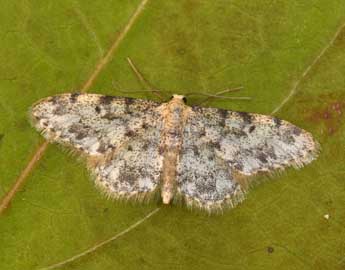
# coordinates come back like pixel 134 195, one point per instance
pixel 49 47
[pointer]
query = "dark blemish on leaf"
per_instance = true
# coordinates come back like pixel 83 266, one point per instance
pixel 74 97
pixel 246 117
pixel 97 109
pixel 270 249
pixel 328 113
pixel 251 129
pixel 106 100
pixel 181 51
pixel 277 122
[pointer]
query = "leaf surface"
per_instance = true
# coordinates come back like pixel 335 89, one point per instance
pixel 50 47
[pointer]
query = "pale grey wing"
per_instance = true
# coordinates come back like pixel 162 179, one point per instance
pixel 246 143
pixel 203 179
pixel 94 124
pixel 251 143
pixel 134 170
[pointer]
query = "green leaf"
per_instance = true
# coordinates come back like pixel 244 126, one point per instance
pixel 50 47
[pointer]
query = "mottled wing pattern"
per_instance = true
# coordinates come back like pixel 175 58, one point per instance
pixel 94 124
pixel 247 143
pixel 204 179
pixel 134 170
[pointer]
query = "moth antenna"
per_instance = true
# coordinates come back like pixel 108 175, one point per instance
pixel 218 95
pixel 228 90
pixel 144 82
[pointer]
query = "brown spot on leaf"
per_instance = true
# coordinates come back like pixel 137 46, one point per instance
pixel 270 249
pixel 328 113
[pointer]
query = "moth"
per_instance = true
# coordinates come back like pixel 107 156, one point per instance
pixel 205 156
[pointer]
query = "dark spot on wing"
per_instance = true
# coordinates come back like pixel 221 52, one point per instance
pixel 238 166
pixel 238 132
pixel 110 116
pixel 196 150
pixel 197 109
pixel 106 100
pixel 246 117
pixel 53 99
pixel 98 109
pixel 288 138
pixel 79 130
pixel 251 129
pixel 223 114
pixel 277 122
pixel 145 146
pixel 129 101
pixel 270 152
pixel 129 133
pixel 216 145
pixel 74 128
pixel 102 148
pixel 202 133
pixel 74 97
pixel 128 175
pixel 262 157
pixel 59 110
pixel 296 131
pixel 81 135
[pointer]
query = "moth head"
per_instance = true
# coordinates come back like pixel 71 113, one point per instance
pixel 179 98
